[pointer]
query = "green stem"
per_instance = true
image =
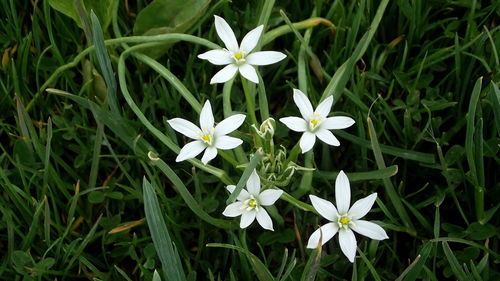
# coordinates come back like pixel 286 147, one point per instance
pixel 226 105
pixel 157 133
pixel 250 101
pixel 226 98
pixel 294 153
pixel 171 37
pixel 189 199
pixel 297 203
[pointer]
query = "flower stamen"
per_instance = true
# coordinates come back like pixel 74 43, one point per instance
pixel 344 221
pixel 250 204
pixel 238 56
pixel 315 121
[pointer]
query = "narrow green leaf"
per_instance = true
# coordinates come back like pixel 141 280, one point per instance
pixel 312 265
pixel 244 177
pixel 104 63
pixel 259 268
pixel 467 242
pixel 455 266
pixel 370 266
pixel 412 272
pixel 339 80
pixel 390 150
pixel 360 176
pixel 471 152
pixel 188 198
pixel 389 188
pixel 165 248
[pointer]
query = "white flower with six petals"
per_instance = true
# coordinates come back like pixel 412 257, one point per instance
pixel 315 123
pixel 238 57
pixel 250 202
pixel 208 137
pixel 344 219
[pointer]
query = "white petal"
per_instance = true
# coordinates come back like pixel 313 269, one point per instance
pixel 247 218
pixel 326 232
pixel 337 122
pixel 251 39
pixel 369 229
pixel 327 137
pixel 269 196
pixel 324 207
pixel 206 117
pixel 295 123
pixel 249 73
pixel 190 150
pixel 243 193
pixel 184 127
pixel 347 243
pixel 324 107
pixel 307 141
pixel 264 219
pixel 265 58
pixel 361 207
pixel 217 57
pixel 253 184
pixel 233 210
pixel 342 193
pixel 226 34
pixel 224 74
pixel 227 142
pixel 229 124
pixel 209 154
pixel 303 103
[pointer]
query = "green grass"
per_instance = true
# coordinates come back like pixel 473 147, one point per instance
pixel 86 154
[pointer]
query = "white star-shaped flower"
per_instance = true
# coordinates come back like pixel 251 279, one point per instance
pixel 238 57
pixel 208 137
pixel 315 123
pixel 344 219
pixel 250 202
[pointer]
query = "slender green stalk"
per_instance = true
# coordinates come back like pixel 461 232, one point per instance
pixel 250 102
pixel 189 199
pixel 389 188
pixel 171 37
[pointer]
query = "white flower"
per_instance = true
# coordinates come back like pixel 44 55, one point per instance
pixel 208 138
pixel 344 219
pixel 250 201
pixel 238 58
pixel 315 123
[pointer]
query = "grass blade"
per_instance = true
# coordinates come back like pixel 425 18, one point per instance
pixel 165 248
pixel 244 177
pixel 104 63
pixel 389 188
pixel 455 266
pixel 260 269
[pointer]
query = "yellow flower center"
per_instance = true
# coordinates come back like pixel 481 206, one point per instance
pixel 250 204
pixel 344 221
pixel 206 138
pixel 238 56
pixel 315 120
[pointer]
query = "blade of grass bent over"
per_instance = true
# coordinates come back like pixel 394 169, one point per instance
pixel 389 187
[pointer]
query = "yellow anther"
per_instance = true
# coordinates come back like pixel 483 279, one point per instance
pixel 344 220
pixel 238 56
pixel 206 138
pixel 314 122
pixel 252 203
